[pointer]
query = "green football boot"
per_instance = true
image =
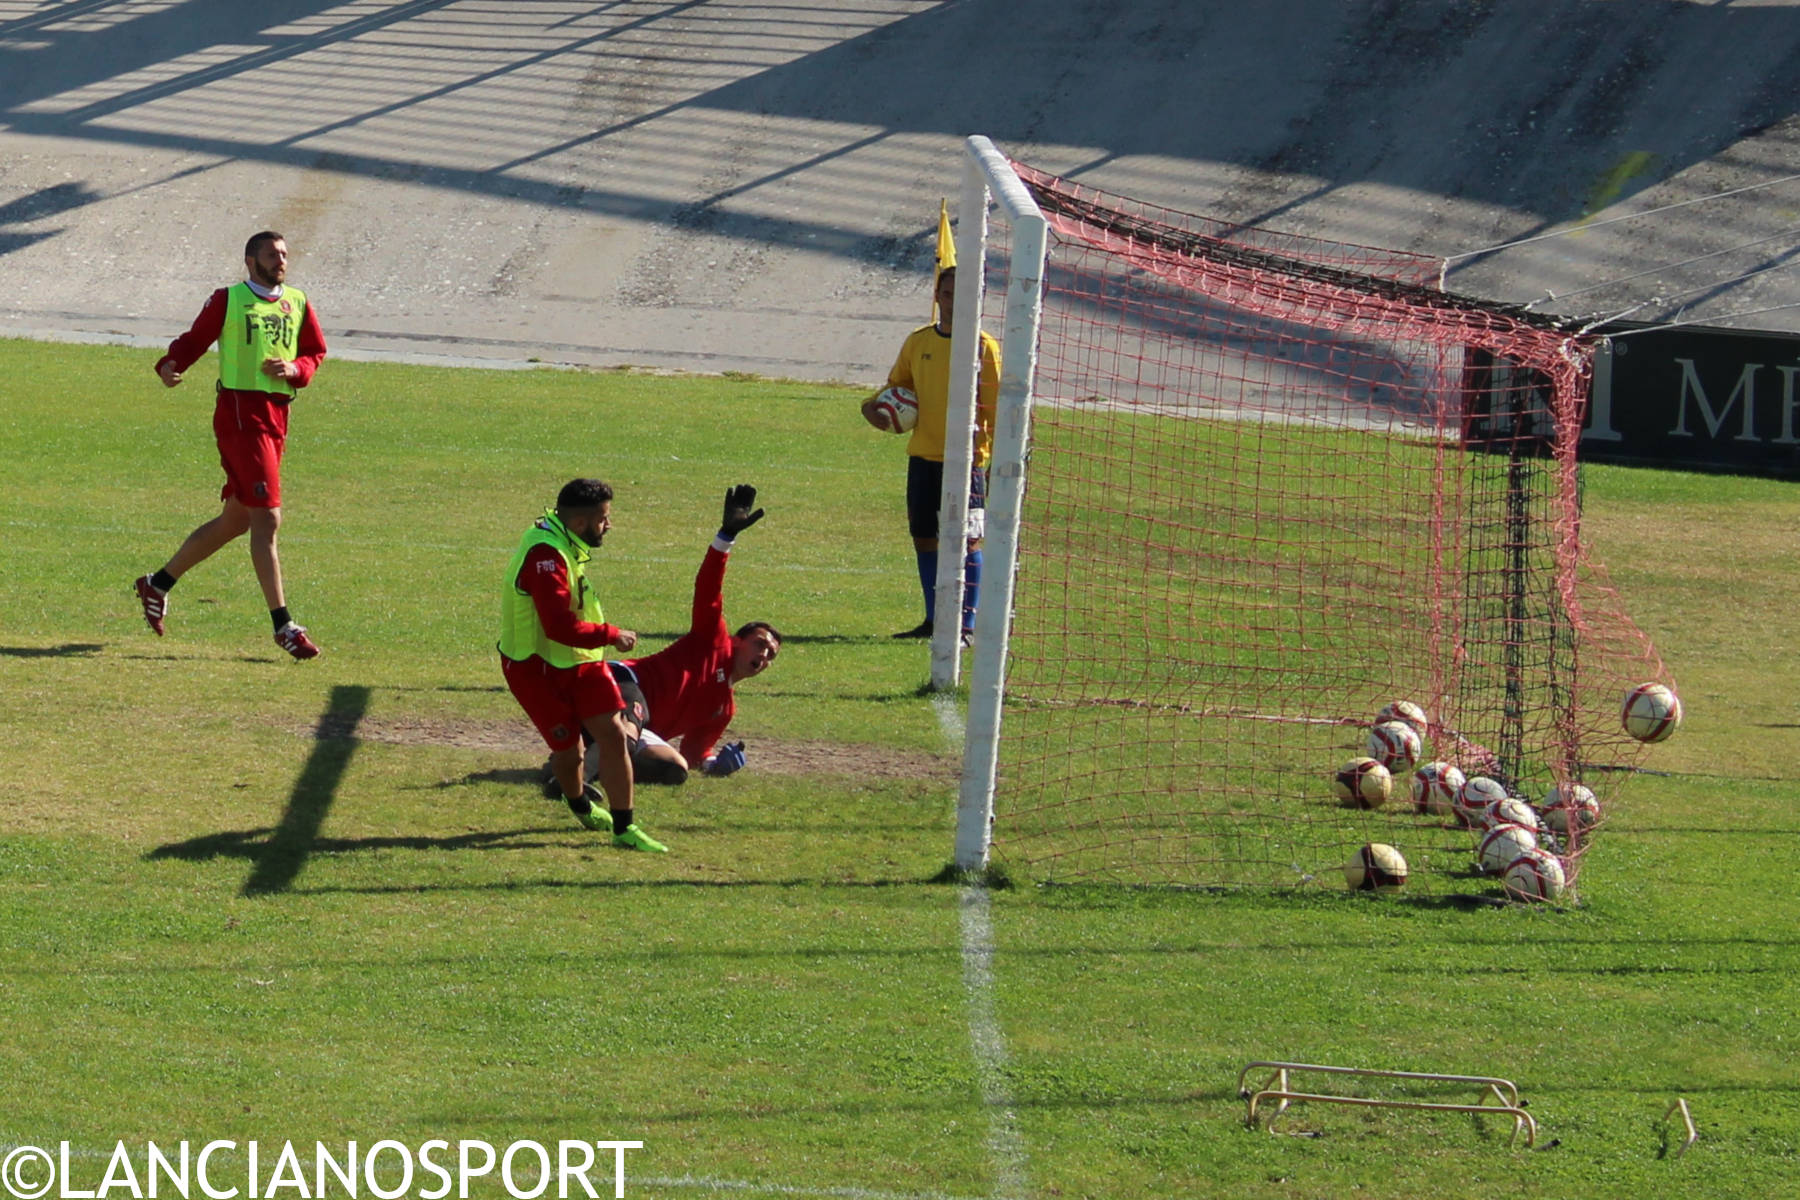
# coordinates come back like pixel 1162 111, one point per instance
pixel 596 817
pixel 633 838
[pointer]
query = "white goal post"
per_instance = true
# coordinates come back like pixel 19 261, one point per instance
pixel 987 176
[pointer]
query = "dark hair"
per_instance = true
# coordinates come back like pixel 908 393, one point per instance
pixel 257 239
pixel 583 495
pixel 751 627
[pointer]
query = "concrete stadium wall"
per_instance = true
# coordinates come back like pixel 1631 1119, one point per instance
pixel 748 187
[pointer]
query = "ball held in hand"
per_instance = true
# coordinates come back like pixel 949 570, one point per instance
pixel 898 408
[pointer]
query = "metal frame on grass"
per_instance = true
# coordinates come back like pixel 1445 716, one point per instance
pixel 1504 1092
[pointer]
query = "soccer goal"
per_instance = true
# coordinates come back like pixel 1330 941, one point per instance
pixel 1247 488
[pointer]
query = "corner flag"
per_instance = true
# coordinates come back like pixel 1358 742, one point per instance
pixel 946 252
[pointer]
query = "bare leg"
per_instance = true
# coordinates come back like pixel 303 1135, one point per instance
pixel 206 541
pixel 616 779
pixel 565 765
pixel 263 556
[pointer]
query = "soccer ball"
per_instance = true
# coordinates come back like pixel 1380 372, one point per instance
pixel 1363 782
pixel 1651 712
pixel 898 407
pixel 1502 844
pixel 1571 806
pixel 1473 797
pixel 1510 811
pixel 1434 787
pixel 1535 875
pixel 1404 711
pixel 1377 867
pixel 1394 744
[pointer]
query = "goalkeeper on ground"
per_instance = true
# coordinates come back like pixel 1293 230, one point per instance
pixel 685 691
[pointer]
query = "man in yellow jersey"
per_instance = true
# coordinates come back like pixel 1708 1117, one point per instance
pixel 270 345
pixel 553 639
pixel 923 368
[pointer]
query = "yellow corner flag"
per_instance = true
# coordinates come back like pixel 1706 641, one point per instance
pixel 946 252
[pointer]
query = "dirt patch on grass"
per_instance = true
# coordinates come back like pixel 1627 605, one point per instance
pixel 848 758
pixel 768 755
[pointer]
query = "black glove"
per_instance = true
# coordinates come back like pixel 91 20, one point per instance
pixel 738 516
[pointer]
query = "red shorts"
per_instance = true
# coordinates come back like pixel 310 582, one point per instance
pixel 251 430
pixel 560 699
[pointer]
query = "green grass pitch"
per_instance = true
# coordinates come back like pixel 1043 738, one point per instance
pixel 244 898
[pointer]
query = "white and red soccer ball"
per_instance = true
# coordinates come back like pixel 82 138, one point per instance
pixel 1534 876
pixel 1502 844
pixel 1511 811
pixel 1363 783
pixel 1405 711
pixel 1395 745
pixel 1571 807
pixel 1651 712
pixel 1376 867
pixel 1473 798
pixel 1434 788
pixel 897 408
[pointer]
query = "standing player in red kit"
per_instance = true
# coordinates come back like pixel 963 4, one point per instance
pixel 270 345
pixel 553 640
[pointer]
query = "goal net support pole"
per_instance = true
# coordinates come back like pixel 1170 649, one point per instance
pixel 959 428
pixel 987 174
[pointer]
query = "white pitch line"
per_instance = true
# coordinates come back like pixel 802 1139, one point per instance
pixel 950 720
pixel 1006 1149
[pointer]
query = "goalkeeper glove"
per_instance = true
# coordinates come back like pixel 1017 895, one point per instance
pixel 729 758
pixel 738 516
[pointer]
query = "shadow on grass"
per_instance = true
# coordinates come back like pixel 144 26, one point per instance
pixel 500 886
pixel 66 650
pixel 446 687
pixel 259 845
pixel 283 855
pixel 507 775
pixel 244 658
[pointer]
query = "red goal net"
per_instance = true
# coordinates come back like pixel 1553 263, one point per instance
pixel 1274 484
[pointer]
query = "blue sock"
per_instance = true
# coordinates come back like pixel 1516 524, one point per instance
pixel 971 588
pixel 928 579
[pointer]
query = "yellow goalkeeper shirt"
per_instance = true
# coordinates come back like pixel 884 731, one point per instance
pixel 924 369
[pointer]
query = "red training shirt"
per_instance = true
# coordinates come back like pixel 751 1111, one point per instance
pixel 544 576
pixel 688 683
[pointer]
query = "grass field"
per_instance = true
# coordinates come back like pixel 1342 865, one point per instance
pixel 243 898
